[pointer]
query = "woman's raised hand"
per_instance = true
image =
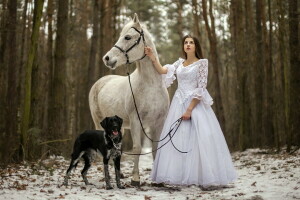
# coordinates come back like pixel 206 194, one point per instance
pixel 149 53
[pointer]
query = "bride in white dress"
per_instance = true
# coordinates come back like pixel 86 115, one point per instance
pixel 208 161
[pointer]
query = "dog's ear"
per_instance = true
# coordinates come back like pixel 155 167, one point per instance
pixel 119 119
pixel 104 123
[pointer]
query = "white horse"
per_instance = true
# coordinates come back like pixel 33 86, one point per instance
pixel 111 95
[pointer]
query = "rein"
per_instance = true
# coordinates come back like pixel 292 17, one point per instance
pixel 177 122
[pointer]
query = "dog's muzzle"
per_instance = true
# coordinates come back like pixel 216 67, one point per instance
pixel 115 133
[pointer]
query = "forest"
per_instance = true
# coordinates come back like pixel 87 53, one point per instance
pixel 51 54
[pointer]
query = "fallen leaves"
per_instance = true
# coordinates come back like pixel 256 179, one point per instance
pixel 19 186
pixel 147 197
pixel 257 171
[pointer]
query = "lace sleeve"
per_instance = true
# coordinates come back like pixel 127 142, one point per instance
pixel 201 92
pixel 169 78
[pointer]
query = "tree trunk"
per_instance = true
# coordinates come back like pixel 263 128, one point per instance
pixel 179 18
pixel 23 51
pixel 196 26
pixel 3 80
pixel 214 57
pixel 58 113
pixel 106 32
pixel 266 135
pixel 38 9
pixel 94 46
pixel 248 58
pixel 92 66
pixel 12 93
pixel 237 39
pixel 294 115
pixel 269 84
pixel 260 60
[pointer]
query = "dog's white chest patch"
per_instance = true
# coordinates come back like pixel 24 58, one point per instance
pixel 114 152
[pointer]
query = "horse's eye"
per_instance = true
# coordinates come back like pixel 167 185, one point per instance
pixel 127 37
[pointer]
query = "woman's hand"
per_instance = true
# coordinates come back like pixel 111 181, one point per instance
pixel 187 115
pixel 149 53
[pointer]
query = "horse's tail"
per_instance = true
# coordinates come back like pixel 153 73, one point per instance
pixel 93 104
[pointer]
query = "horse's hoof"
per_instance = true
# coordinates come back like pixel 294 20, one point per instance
pixel 135 183
pixel 158 184
pixel 109 187
pixel 121 187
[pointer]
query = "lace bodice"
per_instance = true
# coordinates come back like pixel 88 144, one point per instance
pixel 192 80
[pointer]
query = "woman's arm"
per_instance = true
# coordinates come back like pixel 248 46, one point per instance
pixel 160 69
pixel 188 112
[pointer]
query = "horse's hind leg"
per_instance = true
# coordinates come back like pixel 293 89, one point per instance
pixel 96 120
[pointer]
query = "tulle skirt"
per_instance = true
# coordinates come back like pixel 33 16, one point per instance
pixel 208 161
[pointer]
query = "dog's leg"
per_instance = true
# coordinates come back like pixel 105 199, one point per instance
pixel 87 165
pixel 117 170
pixel 68 172
pixel 106 174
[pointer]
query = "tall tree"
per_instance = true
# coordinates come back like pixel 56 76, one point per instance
pixel 38 9
pixel 260 60
pixel 12 93
pixel 210 28
pixel 266 132
pixel 294 136
pixel 269 82
pixel 179 4
pixel 106 31
pixel 237 39
pixel 196 16
pixel 50 63
pixel 250 50
pixel 58 113
pixel 92 69
pixel 3 78
pixel 281 105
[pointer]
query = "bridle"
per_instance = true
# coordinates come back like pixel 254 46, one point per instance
pixel 125 52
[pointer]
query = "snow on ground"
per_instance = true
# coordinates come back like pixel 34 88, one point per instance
pixel 262 175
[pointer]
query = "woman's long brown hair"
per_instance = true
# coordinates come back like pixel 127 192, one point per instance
pixel 198 50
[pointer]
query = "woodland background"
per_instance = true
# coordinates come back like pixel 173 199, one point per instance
pixel 51 53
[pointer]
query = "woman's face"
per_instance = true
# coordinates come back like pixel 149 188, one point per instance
pixel 189 45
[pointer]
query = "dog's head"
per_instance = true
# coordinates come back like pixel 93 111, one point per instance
pixel 112 126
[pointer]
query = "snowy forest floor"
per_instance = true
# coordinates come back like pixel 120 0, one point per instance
pixel 263 174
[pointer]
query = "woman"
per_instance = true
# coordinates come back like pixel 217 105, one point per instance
pixel 208 161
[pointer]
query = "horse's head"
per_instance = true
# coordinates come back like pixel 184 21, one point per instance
pixel 129 47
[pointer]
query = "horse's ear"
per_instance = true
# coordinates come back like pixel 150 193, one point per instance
pixel 136 18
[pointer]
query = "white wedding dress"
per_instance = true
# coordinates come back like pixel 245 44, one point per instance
pixel 208 161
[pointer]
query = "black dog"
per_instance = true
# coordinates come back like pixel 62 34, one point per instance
pixel 107 142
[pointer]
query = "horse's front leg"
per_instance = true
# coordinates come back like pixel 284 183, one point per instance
pixel 137 148
pixel 156 136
